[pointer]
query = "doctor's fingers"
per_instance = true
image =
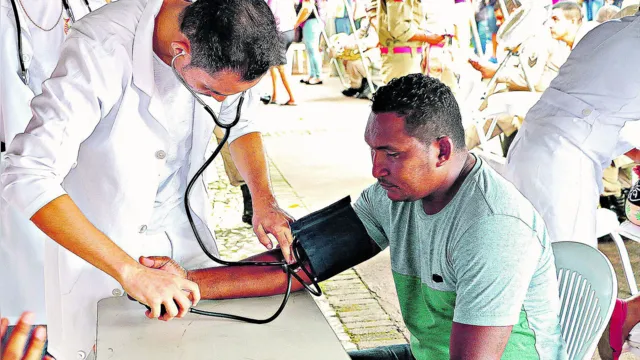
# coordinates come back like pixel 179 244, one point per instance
pixel 4 325
pixel 165 298
pixel 183 304
pixel 192 289
pixel 281 237
pixel 36 345
pixel 285 239
pixel 262 236
pixel 14 348
pixel 171 310
pixel 177 307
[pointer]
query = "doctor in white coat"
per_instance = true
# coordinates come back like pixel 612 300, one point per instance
pixel 102 166
pixel 578 127
pixel 43 27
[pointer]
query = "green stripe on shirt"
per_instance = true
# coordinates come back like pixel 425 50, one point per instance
pixel 428 314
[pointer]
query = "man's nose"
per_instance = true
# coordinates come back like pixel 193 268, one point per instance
pixel 378 169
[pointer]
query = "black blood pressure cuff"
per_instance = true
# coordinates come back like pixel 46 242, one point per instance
pixel 332 240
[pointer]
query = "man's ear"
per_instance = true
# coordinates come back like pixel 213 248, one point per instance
pixel 445 147
pixel 181 47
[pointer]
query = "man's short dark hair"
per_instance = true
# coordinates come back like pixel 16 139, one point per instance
pixel 237 35
pixel 428 106
pixel 571 10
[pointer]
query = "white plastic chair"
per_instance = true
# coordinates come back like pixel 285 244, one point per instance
pixel 588 289
pixel 607 224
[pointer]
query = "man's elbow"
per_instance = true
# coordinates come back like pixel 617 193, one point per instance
pixel 404 34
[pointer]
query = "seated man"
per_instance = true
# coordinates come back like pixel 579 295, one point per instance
pixel 536 63
pixel 542 57
pixel 471 261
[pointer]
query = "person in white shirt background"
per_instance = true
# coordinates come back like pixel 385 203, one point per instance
pixel 42 25
pixel 587 117
pixel 102 166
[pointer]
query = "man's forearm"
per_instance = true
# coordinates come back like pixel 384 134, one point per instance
pixel 422 37
pixel 249 157
pixel 634 154
pixel 63 222
pixel 229 282
pixel 302 17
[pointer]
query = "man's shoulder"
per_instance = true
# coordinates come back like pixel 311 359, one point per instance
pixel 115 23
pixel 376 203
pixel 498 196
pixel 375 196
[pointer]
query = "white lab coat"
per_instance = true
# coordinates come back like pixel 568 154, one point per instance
pixel 98 134
pixel 21 242
pixel 574 131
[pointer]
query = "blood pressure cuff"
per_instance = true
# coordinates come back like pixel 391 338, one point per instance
pixel 332 240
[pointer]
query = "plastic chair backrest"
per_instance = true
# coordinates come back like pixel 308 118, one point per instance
pixel 588 288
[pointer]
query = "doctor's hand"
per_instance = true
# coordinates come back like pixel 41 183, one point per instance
pixel 158 288
pixel 15 349
pixel 269 218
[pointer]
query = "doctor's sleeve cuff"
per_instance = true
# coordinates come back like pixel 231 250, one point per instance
pixel 248 122
pixel 29 196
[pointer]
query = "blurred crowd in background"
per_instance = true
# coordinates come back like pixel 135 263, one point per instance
pixel 497 56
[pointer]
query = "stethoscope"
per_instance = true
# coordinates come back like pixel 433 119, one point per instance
pixel 24 72
pixel 290 270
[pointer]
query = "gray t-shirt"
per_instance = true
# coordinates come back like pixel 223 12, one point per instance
pixel 483 260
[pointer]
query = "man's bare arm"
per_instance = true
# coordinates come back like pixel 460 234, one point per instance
pixel 228 282
pixel 470 342
pixel 432 39
pixel 634 154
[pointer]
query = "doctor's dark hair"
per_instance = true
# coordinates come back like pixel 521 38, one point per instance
pixel 237 35
pixel 428 107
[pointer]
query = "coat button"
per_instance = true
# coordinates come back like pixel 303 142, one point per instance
pixel 116 292
pixel 160 154
pixel 81 355
pixel 143 228
pixel 586 112
pixel 26 57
